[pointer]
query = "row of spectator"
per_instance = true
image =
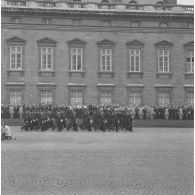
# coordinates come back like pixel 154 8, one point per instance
pixel 171 112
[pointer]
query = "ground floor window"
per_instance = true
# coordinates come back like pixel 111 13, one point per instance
pixel 190 97
pixel 15 97
pixel 163 97
pixel 46 96
pixel 76 98
pixel 135 97
pixel 190 62
pixel 105 97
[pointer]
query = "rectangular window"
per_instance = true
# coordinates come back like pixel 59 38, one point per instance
pixel 46 21
pixel 190 25
pixel 190 62
pixel 16 20
pixel 46 4
pixel 18 3
pixel 106 59
pixel 164 97
pixel 190 97
pixel 134 24
pixel 76 5
pixel 163 25
pixel 46 96
pixel 163 60
pixel 76 59
pixel 133 7
pixel 76 98
pixel 135 98
pixel 134 60
pixel 76 22
pixel 105 97
pixel 106 23
pixel 15 58
pixel 15 97
pixel 46 58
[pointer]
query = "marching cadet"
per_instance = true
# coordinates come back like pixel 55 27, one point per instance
pixel 27 125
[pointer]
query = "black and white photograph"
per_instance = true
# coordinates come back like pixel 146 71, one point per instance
pixel 97 97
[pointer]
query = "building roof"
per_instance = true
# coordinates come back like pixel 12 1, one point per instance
pixel 121 1
pixel 147 9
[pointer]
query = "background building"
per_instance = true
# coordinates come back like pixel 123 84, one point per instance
pixel 115 51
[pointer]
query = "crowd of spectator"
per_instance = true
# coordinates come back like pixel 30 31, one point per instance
pixel 167 112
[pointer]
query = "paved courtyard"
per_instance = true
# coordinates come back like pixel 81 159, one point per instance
pixel 150 161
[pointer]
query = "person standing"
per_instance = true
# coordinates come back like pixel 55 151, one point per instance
pixel 151 112
pixel 166 112
pixel 21 111
pixel 145 112
pixel 180 113
pixel 140 112
pixel 129 122
pixel 11 111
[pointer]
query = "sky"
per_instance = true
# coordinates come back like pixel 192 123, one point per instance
pixel 185 2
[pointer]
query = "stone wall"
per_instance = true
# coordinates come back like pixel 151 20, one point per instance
pixel 91 59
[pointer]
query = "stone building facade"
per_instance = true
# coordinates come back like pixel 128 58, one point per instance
pixel 82 52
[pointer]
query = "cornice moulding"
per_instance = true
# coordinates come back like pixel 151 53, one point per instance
pixel 15 83
pixel 76 41
pixel 76 85
pixel 15 39
pixel 96 28
pixel 46 40
pixel 134 42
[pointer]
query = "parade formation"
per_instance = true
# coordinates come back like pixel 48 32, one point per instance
pixel 91 117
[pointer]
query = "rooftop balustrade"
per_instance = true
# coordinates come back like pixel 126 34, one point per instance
pixel 97 6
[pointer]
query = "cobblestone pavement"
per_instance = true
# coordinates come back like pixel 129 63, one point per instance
pixel 145 162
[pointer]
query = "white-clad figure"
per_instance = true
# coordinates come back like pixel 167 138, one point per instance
pixel 6 132
pixel 166 113
pixel 140 112
pixel 21 111
pixel 133 112
pixel 180 113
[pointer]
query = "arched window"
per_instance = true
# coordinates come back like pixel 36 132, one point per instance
pixel 132 2
pixel 159 3
pixel 105 1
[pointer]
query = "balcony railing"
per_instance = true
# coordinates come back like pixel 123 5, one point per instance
pixel 98 6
